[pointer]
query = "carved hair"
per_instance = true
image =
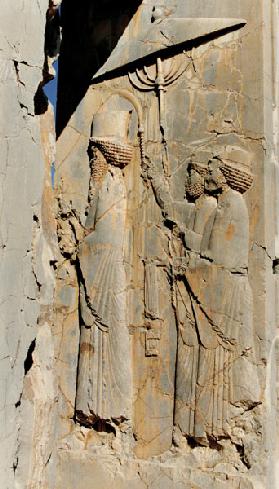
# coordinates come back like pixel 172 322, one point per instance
pixel 115 153
pixel 239 180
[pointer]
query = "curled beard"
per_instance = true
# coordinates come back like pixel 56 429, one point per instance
pixel 194 190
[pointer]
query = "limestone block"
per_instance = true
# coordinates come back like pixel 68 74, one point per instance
pixel 165 299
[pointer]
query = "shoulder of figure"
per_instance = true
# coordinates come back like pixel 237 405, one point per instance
pixel 236 203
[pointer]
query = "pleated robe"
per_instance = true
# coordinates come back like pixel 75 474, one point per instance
pixel 104 374
pixel 216 370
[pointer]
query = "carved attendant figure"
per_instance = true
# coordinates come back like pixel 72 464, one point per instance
pixel 104 374
pixel 188 347
pixel 216 374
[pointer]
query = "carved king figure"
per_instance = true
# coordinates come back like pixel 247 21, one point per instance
pixel 104 374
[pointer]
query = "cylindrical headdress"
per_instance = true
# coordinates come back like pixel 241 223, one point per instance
pixel 110 136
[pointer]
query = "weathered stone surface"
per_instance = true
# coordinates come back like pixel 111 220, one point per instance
pixel 140 289
pixel 198 253
pixel 28 236
pixel 168 32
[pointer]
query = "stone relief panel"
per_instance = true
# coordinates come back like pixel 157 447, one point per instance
pixel 169 358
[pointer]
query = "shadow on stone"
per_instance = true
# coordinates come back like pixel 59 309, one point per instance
pixel 84 52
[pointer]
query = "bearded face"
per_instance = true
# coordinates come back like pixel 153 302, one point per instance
pixel 194 184
pixel 215 180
